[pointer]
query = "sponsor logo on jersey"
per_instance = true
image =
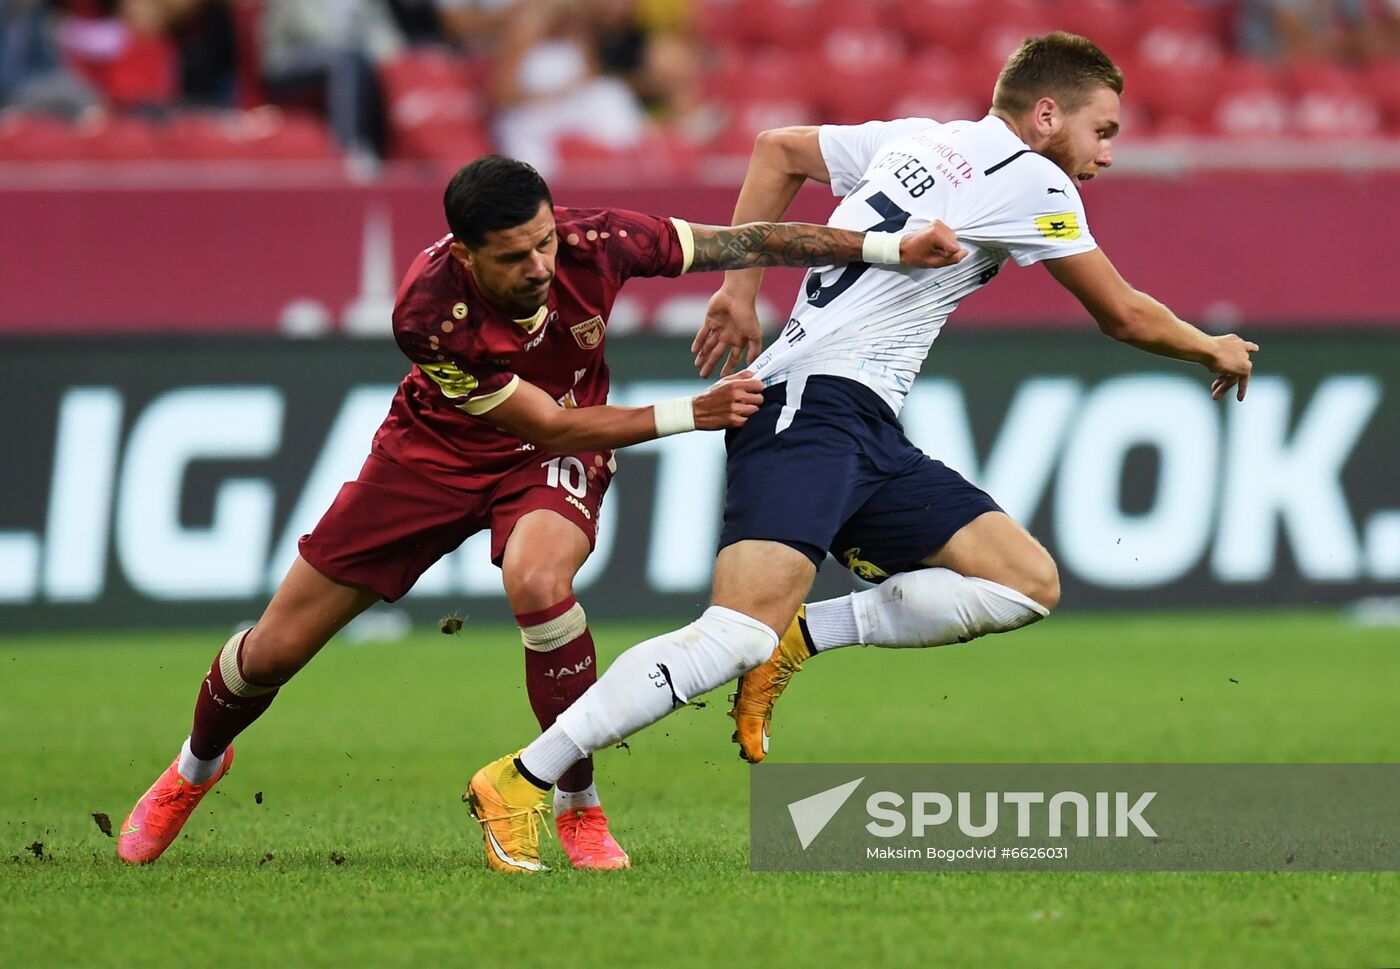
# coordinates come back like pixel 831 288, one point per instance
pixel 589 333
pixel 1054 191
pixel 1064 225
pixel 450 378
pixel 868 571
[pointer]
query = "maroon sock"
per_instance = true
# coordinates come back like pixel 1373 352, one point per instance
pixel 220 714
pixel 556 678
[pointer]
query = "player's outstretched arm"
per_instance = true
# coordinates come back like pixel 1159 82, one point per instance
pixel 536 418
pixel 1137 319
pixel 757 244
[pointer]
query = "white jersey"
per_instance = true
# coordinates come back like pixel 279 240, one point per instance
pixel 876 324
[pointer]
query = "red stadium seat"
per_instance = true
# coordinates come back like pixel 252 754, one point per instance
pixel 1177 33
pixel 1180 99
pixel 32 137
pixel 119 139
pixel 1112 24
pixel 1252 102
pixel 744 76
pixel 263 134
pixel 1331 102
pixel 848 95
pixel 722 24
pixel 288 136
pixel 1015 21
pixel 434 106
pixel 782 24
pixel 937 86
pixel 953 25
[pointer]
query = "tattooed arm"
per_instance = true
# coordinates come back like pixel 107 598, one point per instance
pixel 757 244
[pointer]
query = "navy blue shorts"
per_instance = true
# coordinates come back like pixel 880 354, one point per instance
pixel 837 474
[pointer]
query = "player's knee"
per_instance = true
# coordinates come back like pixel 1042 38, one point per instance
pixel 747 642
pixel 1041 581
pixel 537 586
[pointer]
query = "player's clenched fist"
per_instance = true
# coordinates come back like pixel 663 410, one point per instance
pixel 729 402
pixel 1231 365
pixel 933 246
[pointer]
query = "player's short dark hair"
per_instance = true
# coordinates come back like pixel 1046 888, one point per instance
pixel 494 192
pixel 1060 65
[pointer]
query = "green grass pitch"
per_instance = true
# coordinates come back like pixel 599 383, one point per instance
pixel 365 755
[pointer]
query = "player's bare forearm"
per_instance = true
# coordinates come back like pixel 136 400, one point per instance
pixel 783 160
pixel 1158 330
pixel 533 416
pixel 756 244
pixel 1148 325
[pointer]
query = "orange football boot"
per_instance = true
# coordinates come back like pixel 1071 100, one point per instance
pixel 760 688
pixel 157 818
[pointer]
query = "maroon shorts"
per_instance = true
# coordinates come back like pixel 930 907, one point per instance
pixel 386 527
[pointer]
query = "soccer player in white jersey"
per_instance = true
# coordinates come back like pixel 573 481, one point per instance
pixel 824 465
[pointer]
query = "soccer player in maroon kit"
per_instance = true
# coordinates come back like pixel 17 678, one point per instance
pixel 501 424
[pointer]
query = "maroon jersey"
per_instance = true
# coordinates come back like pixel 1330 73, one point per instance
pixel 469 356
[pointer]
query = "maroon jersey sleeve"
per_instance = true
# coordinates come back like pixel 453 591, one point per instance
pixel 622 244
pixel 433 329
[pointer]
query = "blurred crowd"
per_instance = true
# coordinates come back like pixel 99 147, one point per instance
pixel 563 82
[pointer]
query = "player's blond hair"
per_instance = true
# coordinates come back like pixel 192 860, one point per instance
pixel 1060 65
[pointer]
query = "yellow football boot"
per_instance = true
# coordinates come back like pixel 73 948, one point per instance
pixel 509 809
pixel 760 688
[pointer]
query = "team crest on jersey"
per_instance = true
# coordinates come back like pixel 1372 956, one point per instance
pixel 450 378
pixel 1064 225
pixel 459 311
pixel 589 333
pixel 868 571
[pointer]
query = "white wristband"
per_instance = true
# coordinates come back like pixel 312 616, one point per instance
pixel 674 416
pixel 881 248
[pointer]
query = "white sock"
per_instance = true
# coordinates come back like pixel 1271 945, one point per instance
pixel 194 770
pixel 574 800
pixel 649 681
pixel 934 607
pixel 832 624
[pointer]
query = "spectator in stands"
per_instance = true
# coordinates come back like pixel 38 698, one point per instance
pixel 1299 29
pixel 327 53
pixel 549 85
pixel 32 74
pixel 204 35
pixel 660 65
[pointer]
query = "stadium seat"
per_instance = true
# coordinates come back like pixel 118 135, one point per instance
pixel 1330 101
pixel 782 24
pixel 116 138
pixel 937 87
pixel 434 105
pixel 263 134
pixel 1252 102
pixel 1180 34
pixel 745 76
pixel 953 25
pixel 1179 98
pixel 33 137
pixel 722 24
pixel 1015 21
pixel 1112 24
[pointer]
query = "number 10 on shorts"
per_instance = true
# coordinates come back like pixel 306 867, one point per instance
pixel 567 473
